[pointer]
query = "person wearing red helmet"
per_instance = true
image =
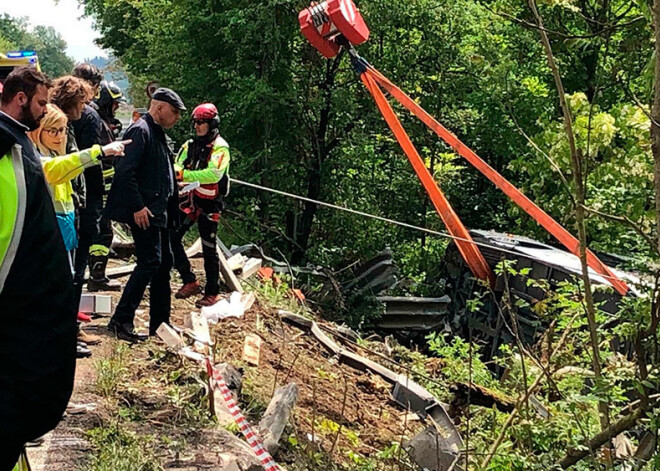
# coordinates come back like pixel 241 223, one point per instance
pixel 203 159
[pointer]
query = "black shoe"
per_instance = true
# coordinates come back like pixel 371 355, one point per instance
pixel 82 351
pixel 104 284
pixel 97 279
pixel 125 331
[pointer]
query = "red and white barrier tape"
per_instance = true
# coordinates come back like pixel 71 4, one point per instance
pixel 252 438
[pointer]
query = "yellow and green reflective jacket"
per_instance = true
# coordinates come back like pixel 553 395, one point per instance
pixel 216 168
pixel 60 170
pixel 12 196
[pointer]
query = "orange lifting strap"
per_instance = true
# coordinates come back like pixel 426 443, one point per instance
pixel 466 245
pixel 470 252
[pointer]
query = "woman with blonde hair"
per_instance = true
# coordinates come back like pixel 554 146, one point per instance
pixel 50 139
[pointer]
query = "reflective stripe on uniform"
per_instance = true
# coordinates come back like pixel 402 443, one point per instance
pixel 13 201
pixel 99 250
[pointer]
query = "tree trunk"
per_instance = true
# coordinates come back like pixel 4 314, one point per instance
pixel 577 161
pixel 321 151
pixel 655 115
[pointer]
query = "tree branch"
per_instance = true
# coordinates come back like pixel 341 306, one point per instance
pixel 626 423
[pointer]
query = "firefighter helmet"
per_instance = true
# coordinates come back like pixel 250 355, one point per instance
pixel 206 112
pixel 109 93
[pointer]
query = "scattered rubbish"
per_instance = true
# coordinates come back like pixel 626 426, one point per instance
pixel 118 272
pixel 252 349
pixel 235 306
pixel 95 303
pixel 200 328
pixel 410 417
pixel 540 409
pixel 170 336
pixel 298 295
pixel 647 446
pixel 236 262
pixel 75 409
pixel 265 273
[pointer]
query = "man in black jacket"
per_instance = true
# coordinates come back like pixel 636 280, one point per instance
pixel 144 196
pixel 38 333
pixel 95 233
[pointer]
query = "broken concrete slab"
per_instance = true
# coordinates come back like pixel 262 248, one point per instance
pixel 228 274
pixel 251 267
pixel 248 301
pixel 170 336
pixel 233 377
pixel 236 452
pixel 277 415
pixel 237 262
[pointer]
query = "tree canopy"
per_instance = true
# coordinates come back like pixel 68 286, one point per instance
pixel 16 33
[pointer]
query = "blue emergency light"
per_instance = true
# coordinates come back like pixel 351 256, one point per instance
pixel 19 54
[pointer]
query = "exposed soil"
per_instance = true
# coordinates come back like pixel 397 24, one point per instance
pixel 330 394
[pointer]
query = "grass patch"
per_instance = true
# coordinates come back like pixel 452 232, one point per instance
pixel 120 450
pixel 111 371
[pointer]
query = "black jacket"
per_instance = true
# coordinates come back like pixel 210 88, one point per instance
pixel 37 308
pixel 144 176
pixel 88 131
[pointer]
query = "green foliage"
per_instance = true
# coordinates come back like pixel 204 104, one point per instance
pixel 457 354
pixel 117 449
pixel 112 370
pixel 16 33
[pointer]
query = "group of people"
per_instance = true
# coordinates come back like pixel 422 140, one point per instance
pixel 58 148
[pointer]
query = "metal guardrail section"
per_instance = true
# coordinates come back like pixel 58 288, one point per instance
pixel 412 313
pixel 373 276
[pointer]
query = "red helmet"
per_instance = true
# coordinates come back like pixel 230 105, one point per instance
pixel 205 111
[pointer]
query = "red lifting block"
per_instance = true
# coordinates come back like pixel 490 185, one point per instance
pixel 323 23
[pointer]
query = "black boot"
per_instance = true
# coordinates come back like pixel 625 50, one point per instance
pixel 97 279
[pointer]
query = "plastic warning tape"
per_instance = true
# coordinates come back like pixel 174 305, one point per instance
pixel 252 438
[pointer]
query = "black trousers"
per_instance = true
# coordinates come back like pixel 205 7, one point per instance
pixel 154 262
pixel 88 230
pixel 208 230
pixel 94 230
pixel 10 451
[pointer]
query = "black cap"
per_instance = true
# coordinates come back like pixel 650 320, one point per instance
pixel 169 96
